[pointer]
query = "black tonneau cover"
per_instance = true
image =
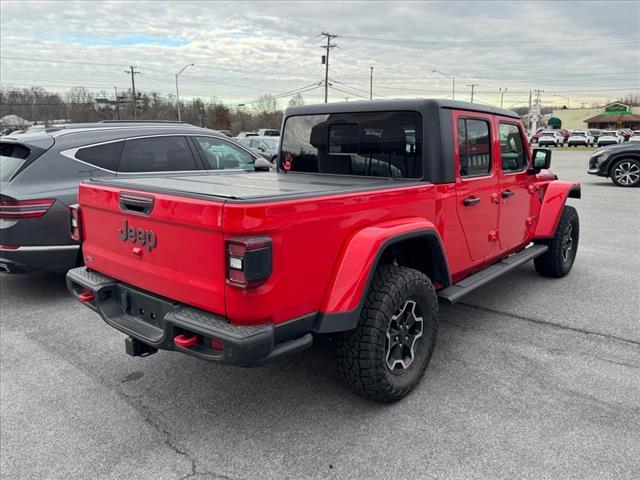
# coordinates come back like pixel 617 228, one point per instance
pixel 254 186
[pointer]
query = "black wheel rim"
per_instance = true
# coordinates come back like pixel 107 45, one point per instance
pixel 404 336
pixel 567 244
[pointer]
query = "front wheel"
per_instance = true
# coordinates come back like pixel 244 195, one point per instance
pixel 626 172
pixel 386 355
pixel 563 246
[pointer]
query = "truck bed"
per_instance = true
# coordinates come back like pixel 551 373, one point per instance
pixel 253 186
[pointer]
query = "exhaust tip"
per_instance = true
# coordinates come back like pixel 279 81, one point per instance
pixel 4 268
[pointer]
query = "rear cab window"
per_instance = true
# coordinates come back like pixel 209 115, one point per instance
pixel 373 144
pixel 157 154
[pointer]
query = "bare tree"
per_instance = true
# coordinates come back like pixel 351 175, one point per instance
pixel 265 104
pixel 296 101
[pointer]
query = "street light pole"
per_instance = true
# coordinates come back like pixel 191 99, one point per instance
pixel 371 84
pixel 453 82
pixel 177 91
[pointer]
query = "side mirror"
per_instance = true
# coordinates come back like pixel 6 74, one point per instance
pixel 541 159
pixel 262 165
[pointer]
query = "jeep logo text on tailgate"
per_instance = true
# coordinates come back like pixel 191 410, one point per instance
pixel 143 237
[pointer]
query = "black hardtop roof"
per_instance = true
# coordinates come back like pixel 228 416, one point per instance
pixel 418 104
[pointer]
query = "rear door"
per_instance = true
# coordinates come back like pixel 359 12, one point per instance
pixel 166 153
pixel 514 182
pixel 476 182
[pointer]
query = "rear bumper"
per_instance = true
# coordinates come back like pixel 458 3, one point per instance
pixel 31 259
pixel 165 325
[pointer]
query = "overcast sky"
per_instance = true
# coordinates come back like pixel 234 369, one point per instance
pixel 583 51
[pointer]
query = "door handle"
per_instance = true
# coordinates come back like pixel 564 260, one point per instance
pixel 507 193
pixel 470 201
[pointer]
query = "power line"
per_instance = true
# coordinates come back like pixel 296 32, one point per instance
pixel 350 93
pixel 587 41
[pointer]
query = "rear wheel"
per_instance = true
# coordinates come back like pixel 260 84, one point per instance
pixel 626 172
pixel 558 260
pixel 386 355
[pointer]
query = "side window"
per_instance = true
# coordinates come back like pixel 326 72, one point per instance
pixel 219 154
pixel 512 154
pixel 157 154
pixel 104 156
pixel 474 143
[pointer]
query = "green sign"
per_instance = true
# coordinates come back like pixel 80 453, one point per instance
pixel 616 109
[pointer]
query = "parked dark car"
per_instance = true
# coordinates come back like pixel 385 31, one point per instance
pixel 40 173
pixel 621 163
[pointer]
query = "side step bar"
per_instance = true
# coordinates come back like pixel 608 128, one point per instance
pixel 458 290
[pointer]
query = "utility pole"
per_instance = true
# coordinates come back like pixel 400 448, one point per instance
pixel 473 85
pixel 117 102
pixel 328 48
pixel 529 116
pixel 132 71
pixel 536 111
pixel 538 92
pixel 371 84
pixel 502 95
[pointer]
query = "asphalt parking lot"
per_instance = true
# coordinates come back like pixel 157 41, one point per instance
pixel 531 378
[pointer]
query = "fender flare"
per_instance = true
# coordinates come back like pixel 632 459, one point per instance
pixel 554 200
pixel 358 260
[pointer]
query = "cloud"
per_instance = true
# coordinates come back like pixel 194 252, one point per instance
pixel 244 49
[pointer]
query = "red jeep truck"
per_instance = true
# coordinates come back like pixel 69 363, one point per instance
pixel 377 210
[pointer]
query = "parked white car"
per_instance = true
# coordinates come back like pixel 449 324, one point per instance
pixel 635 136
pixel 581 138
pixel 609 137
pixel 268 132
pixel 552 138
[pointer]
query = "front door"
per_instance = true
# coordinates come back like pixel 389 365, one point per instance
pixel 476 183
pixel 514 182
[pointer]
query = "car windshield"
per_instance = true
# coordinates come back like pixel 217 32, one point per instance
pixel 578 134
pixel 608 133
pixel 549 133
pixel 636 134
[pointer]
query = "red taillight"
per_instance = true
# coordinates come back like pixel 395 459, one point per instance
pixel 249 261
pixel 17 209
pixel 74 222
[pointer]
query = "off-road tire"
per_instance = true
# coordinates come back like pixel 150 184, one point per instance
pixel 630 170
pixel 362 354
pixel 557 261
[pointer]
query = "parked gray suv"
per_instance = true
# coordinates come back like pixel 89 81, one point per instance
pixel 40 172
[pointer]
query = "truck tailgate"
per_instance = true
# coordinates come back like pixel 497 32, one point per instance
pixel 169 245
